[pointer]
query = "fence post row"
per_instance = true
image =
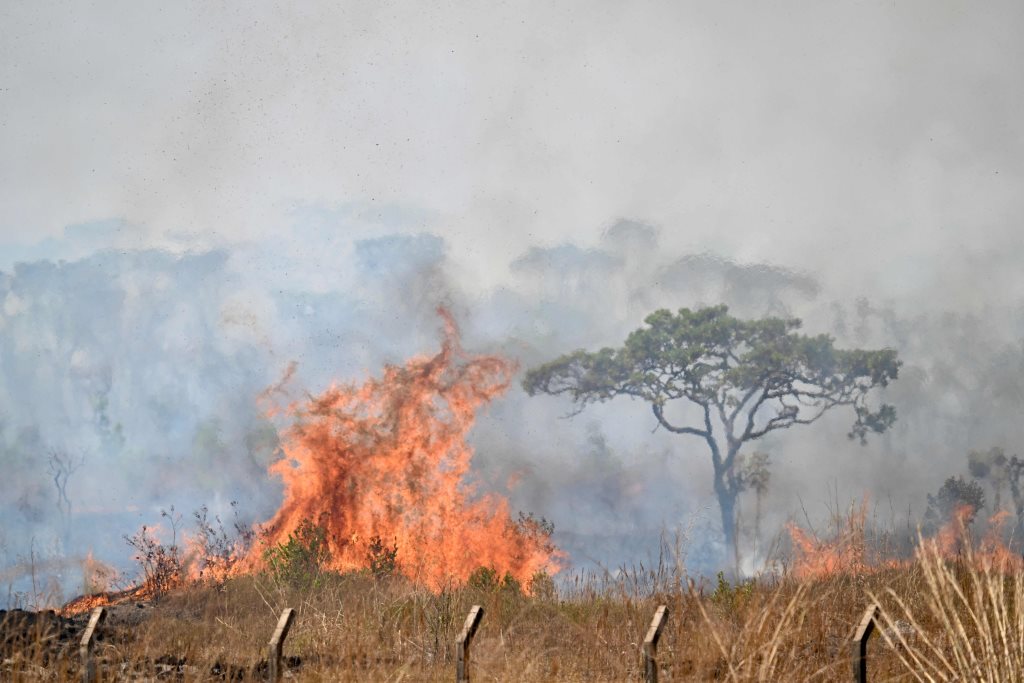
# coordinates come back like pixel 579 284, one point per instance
pixel 463 642
pixel 860 643
pixel 276 645
pixel 85 646
pixel 651 644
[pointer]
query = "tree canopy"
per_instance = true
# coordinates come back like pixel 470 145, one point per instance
pixel 746 377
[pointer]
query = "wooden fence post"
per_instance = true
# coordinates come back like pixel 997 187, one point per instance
pixel 463 642
pixel 274 659
pixel 85 646
pixel 860 644
pixel 651 645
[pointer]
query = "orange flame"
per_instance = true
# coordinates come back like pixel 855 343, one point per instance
pixel 847 551
pixel 953 535
pixel 86 603
pixel 994 550
pixel 389 459
pixel 954 539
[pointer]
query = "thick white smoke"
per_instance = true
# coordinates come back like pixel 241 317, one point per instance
pixel 148 364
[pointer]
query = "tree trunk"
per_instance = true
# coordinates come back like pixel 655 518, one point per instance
pixel 757 525
pixel 727 505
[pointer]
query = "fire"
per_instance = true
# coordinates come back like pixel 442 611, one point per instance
pixel 383 463
pixel 992 547
pixel 388 459
pixel 847 552
pixel 86 603
pixel 953 536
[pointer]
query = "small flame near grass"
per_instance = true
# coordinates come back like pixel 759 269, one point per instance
pixel 849 551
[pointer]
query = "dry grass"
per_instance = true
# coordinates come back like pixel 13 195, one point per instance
pixel 967 625
pixel 353 628
pixel 941 621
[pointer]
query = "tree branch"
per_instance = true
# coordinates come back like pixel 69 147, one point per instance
pixel 660 415
pixel 790 416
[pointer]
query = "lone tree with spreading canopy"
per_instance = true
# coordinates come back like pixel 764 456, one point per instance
pixel 741 378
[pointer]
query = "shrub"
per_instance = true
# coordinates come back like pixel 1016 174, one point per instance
pixel 383 559
pixel 219 552
pixel 483 578
pixel 510 584
pixel 162 567
pixel 542 586
pixel 954 495
pixel 487 579
pixel 731 596
pixel 301 559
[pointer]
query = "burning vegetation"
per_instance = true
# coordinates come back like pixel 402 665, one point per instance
pixel 953 529
pixel 385 463
pixel 375 478
pixel 380 521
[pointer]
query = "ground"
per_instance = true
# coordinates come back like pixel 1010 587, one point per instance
pixel 354 627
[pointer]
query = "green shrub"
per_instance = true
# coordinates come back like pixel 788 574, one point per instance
pixel 301 559
pixel 483 578
pixel 487 579
pixel 542 586
pixel 731 596
pixel 383 559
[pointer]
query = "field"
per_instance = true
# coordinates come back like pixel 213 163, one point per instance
pixel 354 627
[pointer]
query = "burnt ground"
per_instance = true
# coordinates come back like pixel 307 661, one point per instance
pixel 44 645
pixel 47 632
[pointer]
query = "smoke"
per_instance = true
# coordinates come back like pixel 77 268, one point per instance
pixel 149 365
pixel 192 203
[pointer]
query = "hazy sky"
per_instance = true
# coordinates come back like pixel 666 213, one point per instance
pixel 761 153
pixel 876 142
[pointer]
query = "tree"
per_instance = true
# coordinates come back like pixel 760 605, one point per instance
pixel 743 379
pixel 754 475
pixel 955 498
pixel 994 466
pixel 61 466
pixel 1001 470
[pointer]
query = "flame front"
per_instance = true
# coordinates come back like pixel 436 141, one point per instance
pixel 847 552
pixel 389 459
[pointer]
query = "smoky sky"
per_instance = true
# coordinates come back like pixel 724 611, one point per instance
pixel 152 367
pixel 194 196
pixel 878 141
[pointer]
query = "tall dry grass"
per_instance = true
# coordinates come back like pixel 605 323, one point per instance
pixel 355 628
pixel 941 620
pixel 969 623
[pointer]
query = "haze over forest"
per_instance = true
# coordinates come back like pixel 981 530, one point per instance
pixel 193 198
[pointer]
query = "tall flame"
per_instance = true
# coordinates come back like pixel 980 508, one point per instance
pixel 389 459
